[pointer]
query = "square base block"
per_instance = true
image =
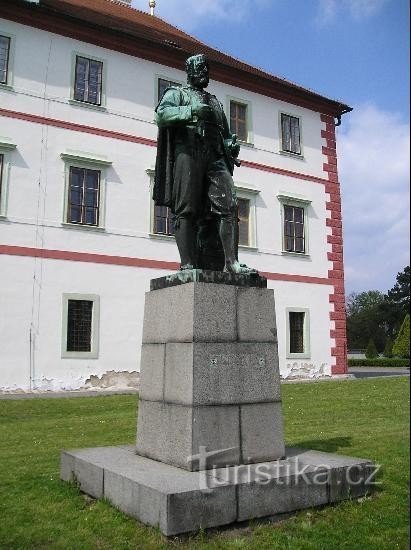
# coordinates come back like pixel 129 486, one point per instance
pixel 234 434
pixel 178 501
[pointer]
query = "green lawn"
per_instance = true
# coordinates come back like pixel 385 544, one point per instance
pixel 365 418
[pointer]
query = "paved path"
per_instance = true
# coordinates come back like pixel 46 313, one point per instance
pixel 372 372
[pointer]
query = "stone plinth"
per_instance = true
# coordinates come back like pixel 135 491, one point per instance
pixel 210 447
pixel 178 501
pixel 209 372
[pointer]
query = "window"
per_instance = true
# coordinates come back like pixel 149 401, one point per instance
pixel 4 58
pixel 294 216
pixel 244 222
pixel 88 81
pixel 246 199
pixel 296 320
pixel 84 196
pixel 79 321
pixel 290 134
pixel 294 238
pixel 298 333
pixel 6 149
pixel 163 84
pixel 1 175
pixel 85 190
pixel 80 325
pixel 238 120
pixel 163 221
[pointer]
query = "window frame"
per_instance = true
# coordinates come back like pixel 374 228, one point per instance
pixel 158 77
pixel 8 84
pixel 85 160
pixel 299 155
pixel 306 333
pixel 286 199
pixel 249 120
pixel 95 327
pixel 6 150
pixel 72 100
pixel 249 193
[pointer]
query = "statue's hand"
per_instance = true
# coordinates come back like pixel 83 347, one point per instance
pixel 234 147
pixel 203 112
pixel 235 150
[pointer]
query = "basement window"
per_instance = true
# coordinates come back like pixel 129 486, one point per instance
pixel 298 333
pixel 80 326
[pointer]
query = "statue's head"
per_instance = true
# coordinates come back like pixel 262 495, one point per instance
pixel 197 71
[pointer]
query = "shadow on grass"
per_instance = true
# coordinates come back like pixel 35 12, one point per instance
pixel 325 445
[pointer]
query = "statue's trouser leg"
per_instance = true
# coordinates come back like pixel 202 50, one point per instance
pixel 228 239
pixel 185 234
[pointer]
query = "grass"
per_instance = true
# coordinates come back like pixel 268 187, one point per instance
pixel 365 418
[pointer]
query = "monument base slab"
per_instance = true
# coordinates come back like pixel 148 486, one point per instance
pixel 179 501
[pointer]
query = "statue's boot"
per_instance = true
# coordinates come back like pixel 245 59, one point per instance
pixel 228 240
pixel 185 234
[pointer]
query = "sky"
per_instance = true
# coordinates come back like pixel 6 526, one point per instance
pixel 353 50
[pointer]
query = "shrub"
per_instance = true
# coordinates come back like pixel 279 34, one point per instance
pixel 388 348
pixel 396 362
pixel 401 347
pixel 371 351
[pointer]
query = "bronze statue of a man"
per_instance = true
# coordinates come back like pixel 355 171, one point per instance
pixel 196 154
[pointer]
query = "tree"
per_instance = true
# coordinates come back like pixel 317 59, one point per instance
pixel 364 320
pixel 396 302
pixel 388 348
pixel 371 351
pixel 401 347
pixel 400 292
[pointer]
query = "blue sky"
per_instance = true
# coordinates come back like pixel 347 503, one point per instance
pixel 353 50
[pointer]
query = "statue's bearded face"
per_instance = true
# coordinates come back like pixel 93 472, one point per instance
pixel 197 71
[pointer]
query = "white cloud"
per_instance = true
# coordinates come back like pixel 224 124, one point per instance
pixel 373 148
pixel 188 14
pixel 328 10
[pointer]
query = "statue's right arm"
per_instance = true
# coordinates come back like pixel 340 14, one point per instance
pixel 170 112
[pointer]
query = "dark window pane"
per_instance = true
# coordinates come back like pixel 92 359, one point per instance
pixel 288 213
pixel 299 244
pixel 163 85
pixel 74 215
pixel 298 214
pixel 163 221
pixel 79 323
pixel 4 58
pixel 296 330
pixel 76 196
pixel 299 230
pixel 243 238
pixel 289 244
pixel 91 198
pixel 90 216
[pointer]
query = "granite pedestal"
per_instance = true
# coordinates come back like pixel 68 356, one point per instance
pixel 210 446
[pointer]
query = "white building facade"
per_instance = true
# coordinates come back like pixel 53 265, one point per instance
pixel 80 238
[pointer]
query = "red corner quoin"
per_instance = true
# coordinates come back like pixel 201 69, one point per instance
pixel 335 255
